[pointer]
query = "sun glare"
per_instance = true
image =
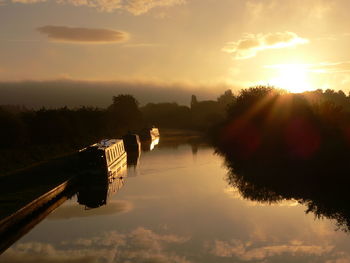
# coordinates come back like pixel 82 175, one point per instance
pixel 292 77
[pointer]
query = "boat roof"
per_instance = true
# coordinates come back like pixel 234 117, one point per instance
pixel 103 144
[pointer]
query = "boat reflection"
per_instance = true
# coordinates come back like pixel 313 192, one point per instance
pixel 150 145
pixel 95 193
pixel 132 146
pixel 133 159
pixel 94 190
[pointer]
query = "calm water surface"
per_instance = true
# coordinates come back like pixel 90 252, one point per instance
pixel 177 207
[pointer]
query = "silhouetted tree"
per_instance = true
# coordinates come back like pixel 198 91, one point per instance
pixel 281 146
pixel 226 99
pixel 167 115
pixel 124 114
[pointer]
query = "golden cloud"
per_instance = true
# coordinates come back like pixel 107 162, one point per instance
pixel 101 5
pixel 246 252
pixel 251 44
pixel 292 9
pixel 83 35
pixel 138 7
pixel 28 1
pixel 135 7
pixel 138 246
pixel 331 67
pixel 321 68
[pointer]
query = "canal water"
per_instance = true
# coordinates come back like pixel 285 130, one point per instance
pixel 176 206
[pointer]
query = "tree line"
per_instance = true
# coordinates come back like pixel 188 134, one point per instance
pixel 278 146
pixel 33 135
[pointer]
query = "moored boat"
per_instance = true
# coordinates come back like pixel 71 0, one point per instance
pixel 149 134
pixel 108 157
pixel 132 143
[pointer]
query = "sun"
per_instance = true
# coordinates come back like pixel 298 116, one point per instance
pixel 292 77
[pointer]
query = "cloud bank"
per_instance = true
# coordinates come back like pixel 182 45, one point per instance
pixel 135 7
pixel 74 93
pixel 82 35
pixel 251 44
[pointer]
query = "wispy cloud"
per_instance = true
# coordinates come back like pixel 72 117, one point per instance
pixel 329 67
pixel 321 68
pixel 135 7
pixel 83 35
pixel 296 9
pixel 100 5
pixel 251 44
pixel 138 7
pixel 139 246
pixel 142 45
pixel 248 252
pixel 28 1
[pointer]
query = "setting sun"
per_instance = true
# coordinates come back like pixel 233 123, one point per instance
pixel 292 77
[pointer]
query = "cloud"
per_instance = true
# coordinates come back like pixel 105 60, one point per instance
pixel 76 211
pixel 251 44
pixel 138 246
pixel 28 1
pixel 100 5
pixel 138 7
pixel 82 35
pixel 74 93
pixel 135 7
pixel 234 193
pixel 329 67
pixel 294 9
pixel 321 68
pixel 248 252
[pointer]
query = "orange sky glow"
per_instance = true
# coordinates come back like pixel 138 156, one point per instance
pixel 292 44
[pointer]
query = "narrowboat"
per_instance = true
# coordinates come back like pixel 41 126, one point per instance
pixel 154 133
pixel 149 134
pixel 132 143
pixel 106 158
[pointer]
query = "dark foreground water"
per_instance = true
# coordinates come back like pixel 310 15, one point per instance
pixel 177 207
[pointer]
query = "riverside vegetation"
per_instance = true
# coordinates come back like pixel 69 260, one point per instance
pixel 31 136
pixel 279 146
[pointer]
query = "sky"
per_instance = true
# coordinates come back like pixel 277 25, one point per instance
pixel 293 44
